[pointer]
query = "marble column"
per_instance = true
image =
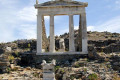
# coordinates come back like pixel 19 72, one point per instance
pixel 80 34
pixel 52 37
pixel 84 34
pixel 71 34
pixel 39 34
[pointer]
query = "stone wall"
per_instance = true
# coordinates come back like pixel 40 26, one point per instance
pixel 32 59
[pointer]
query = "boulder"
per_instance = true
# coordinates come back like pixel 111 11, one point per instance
pixel 3 63
pixel 92 54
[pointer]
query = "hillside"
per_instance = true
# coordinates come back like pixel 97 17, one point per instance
pixel 17 59
pixel 102 41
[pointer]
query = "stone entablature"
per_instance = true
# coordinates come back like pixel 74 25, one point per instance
pixel 61 3
pixel 71 8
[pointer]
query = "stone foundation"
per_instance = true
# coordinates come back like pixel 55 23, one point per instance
pixel 59 57
pixel 37 59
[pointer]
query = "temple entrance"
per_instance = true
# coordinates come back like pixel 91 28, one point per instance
pixel 69 8
pixel 61 33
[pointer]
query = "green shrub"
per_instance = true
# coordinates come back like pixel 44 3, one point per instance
pixel 16 53
pixel 77 65
pixel 36 75
pixel 93 76
pixel 108 66
pixel 11 58
pixel 57 67
pixel 62 71
pixel 29 45
pixel 72 77
pixel 85 69
pixel 9 69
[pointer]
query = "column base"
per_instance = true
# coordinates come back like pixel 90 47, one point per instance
pixel 62 53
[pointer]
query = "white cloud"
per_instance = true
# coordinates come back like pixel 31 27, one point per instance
pixel 6 34
pixel 12 21
pixel 28 14
pixel 21 24
pixel 117 3
pixel 8 2
pixel 90 28
pixel 112 25
pixel 27 31
pixel 47 17
pixel 60 32
pixel 76 27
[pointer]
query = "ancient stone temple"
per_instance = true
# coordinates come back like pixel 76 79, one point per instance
pixel 62 7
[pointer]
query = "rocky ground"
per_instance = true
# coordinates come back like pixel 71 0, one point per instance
pixel 87 69
pixel 107 67
pixel 22 74
pixel 102 63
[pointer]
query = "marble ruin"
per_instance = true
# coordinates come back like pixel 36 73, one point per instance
pixel 62 7
pixel 48 70
pixel 61 45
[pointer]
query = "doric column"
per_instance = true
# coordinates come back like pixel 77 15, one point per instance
pixel 71 34
pixel 84 34
pixel 80 34
pixel 52 37
pixel 39 34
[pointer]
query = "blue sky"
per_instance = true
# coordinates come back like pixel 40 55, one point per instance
pixel 18 18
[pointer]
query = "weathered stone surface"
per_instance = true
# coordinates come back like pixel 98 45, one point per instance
pixel 52 8
pixel 112 48
pixel 3 63
pixel 92 53
pixel 44 36
pixel 1 51
pixel 32 74
pixel 48 70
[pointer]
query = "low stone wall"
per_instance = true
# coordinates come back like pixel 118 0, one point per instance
pixel 30 59
pixel 58 58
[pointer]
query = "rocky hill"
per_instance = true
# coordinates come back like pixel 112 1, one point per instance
pixel 16 59
pixel 102 41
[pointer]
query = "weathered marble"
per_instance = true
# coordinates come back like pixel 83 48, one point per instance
pixel 62 45
pixel 52 37
pixel 48 70
pixel 71 34
pixel 63 7
pixel 39 34
pixel 84 34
